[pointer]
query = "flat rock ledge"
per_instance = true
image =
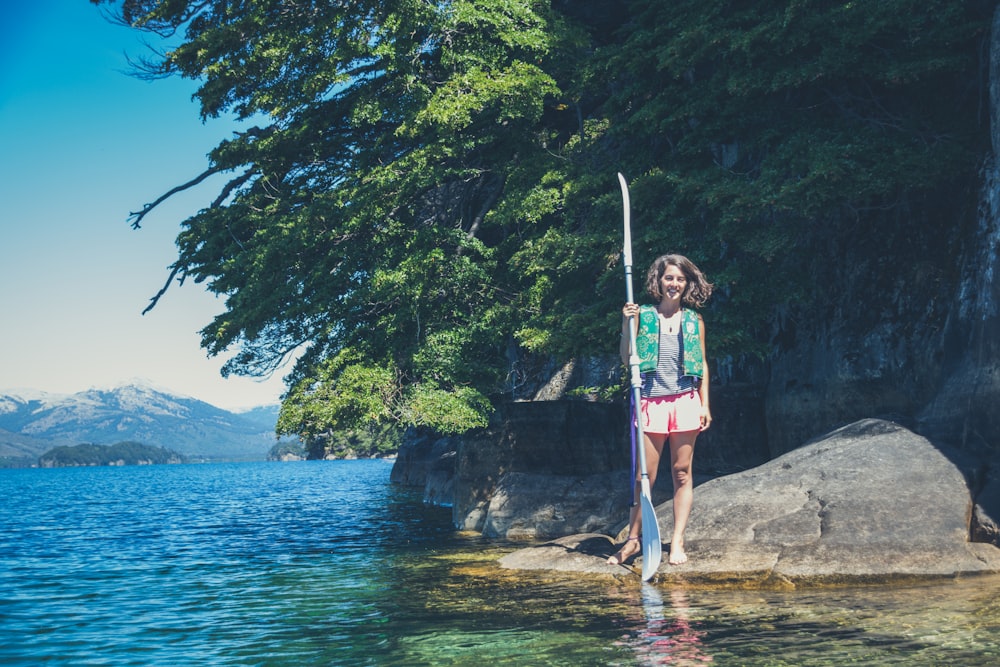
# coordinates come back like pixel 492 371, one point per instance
pixel 871 502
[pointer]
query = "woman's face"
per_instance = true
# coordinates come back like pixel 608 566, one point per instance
pixel 672 284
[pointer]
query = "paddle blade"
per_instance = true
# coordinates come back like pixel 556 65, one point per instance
pixel 652 549
pixel 627 249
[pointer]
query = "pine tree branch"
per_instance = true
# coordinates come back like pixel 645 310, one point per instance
pixel 136 216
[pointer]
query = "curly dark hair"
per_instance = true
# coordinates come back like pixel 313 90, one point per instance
pixel 698 288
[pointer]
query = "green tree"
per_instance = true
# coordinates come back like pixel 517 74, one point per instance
pixel 427 203
pixel 356 220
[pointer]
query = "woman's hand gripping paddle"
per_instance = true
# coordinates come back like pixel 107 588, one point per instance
pixel 652 549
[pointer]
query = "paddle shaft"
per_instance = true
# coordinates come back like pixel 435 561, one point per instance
pixel 651 547
pixel 635 380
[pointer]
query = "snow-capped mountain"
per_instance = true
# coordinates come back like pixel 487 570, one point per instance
pixel 31 422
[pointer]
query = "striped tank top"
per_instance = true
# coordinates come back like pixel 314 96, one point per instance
pixel 668 379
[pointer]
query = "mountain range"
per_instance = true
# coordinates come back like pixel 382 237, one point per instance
pixel 32 422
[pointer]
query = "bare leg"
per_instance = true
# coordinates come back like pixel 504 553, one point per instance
pixel 654 448
pixel 681 458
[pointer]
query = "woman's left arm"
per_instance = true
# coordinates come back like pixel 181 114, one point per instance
pixel 706 412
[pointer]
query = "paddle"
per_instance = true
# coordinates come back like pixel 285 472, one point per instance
pixel 652 550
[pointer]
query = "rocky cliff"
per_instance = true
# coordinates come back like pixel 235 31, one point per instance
pixel 908 324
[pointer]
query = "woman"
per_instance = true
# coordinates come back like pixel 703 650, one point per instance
pixel 674 405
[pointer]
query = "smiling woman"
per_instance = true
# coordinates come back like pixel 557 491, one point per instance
pixel 671 405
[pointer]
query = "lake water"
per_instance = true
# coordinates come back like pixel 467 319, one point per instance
pixel 326 563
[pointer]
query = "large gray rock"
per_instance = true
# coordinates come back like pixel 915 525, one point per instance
pixel 869 502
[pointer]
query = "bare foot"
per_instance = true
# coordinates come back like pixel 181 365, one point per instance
pixel 629 549
pixel 677 555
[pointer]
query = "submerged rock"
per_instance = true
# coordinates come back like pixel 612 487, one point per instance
pixel 869 502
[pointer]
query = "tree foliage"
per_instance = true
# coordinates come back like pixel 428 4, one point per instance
pixel 427 200
pixel 764 130
pixel 120 453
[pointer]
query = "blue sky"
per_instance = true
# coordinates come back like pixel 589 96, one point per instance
pixel 82 144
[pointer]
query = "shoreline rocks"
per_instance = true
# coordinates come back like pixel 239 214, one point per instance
pixel 869 502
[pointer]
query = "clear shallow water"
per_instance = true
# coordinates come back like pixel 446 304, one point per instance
pixel 325 563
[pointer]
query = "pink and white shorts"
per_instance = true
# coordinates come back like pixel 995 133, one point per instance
pixel 671 414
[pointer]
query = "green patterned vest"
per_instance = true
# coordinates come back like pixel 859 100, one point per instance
pixel 647 342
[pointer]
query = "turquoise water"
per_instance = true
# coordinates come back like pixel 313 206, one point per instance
pixel 326 563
